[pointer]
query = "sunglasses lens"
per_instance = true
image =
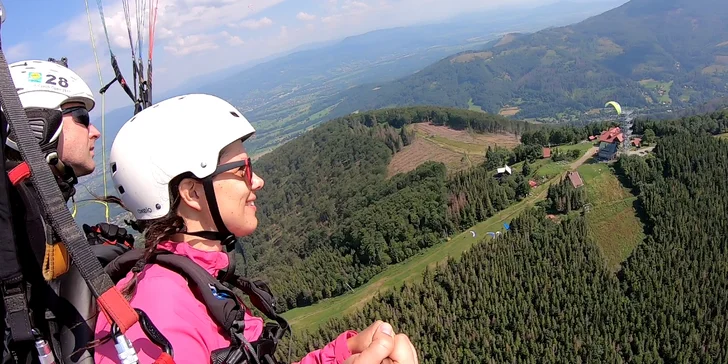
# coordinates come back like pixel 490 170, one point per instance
pixel 79 114
pixel 249 172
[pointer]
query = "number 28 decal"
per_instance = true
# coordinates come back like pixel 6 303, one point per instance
pixel 52 81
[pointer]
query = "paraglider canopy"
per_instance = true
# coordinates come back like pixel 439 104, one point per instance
pixel 472 232
pixel 507 226
pixel 615 105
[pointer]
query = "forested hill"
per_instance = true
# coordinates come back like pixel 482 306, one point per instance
pixel 642 53
pixel 543 294
pixel 328 218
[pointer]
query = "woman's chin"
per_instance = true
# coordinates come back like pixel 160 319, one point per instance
pixel 245 229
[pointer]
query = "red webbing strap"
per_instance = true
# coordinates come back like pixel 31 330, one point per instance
pixel 117 309
pixel 164 359
pixel 19 173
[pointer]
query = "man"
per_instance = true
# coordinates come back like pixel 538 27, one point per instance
pixel 57 103
pixel 46 86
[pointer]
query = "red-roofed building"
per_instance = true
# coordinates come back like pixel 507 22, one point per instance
pixel 609 142
pixel 612 135
pixel 532 183
pixel 592 137
pixel 575 179
pixel 637 142
pixel 546 152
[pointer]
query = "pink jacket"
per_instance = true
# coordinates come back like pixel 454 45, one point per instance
pixel 166 298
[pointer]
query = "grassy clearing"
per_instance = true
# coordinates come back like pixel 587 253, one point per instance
pixel 661 88
pixel 722 136
pixel 466 136
pixel 613 221
pixel 457 149
pixel 545 168
pixel 423 150
pixel 457 146
pixel 509 111
pixel 474 107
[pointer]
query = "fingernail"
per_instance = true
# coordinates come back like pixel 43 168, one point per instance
pixel 386 328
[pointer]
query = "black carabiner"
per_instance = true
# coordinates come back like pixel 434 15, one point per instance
pixel 153 334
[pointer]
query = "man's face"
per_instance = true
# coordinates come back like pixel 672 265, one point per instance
pixel 76 144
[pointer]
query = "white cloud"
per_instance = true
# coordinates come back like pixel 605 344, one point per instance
pixel 231 39
pixel 305 16
pixel 175 18
pixel 191 44
pixel 235 41
pixel 182 46
pixel 87 71
pixel 17 52
pixel 257 24
pixel 350 5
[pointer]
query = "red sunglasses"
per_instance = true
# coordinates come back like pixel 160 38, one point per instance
pixel 232 165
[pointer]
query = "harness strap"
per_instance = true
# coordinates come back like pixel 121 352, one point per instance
pixel 222 303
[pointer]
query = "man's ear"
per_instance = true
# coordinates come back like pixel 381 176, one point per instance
pixel 191 193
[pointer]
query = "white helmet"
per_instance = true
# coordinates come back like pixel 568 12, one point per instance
pixel 178 135
pixel 42 87
pixel 47 85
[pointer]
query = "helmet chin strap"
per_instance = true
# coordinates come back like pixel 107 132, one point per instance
pixel 66 173
pixel 227 239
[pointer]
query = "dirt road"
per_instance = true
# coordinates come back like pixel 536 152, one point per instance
pixel 589 153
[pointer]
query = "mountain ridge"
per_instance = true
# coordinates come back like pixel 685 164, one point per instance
pixel 614 55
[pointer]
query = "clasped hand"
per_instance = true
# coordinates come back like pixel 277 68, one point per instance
pixel 379 344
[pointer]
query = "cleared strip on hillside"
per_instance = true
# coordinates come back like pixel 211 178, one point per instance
pixel 613 220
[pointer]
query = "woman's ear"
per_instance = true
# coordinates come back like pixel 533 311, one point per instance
pixel 191 193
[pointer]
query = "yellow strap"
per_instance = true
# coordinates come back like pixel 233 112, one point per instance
pixel 56 261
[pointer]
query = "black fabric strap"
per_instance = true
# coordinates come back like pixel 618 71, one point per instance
pixel 228 239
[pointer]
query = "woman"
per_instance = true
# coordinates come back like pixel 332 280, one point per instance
pixel 181 168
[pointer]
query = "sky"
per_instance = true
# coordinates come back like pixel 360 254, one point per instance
pixel 197 37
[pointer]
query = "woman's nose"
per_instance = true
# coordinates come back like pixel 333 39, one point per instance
pixel 258 182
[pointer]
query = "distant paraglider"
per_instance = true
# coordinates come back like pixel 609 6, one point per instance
pixel 491 234
pixel 472 232
pixel 615 105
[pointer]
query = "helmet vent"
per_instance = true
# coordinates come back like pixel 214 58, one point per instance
pixel 121 189
pixel 233 113
pixel 113 167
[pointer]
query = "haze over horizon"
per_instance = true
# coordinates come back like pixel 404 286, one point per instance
pixel 198 37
